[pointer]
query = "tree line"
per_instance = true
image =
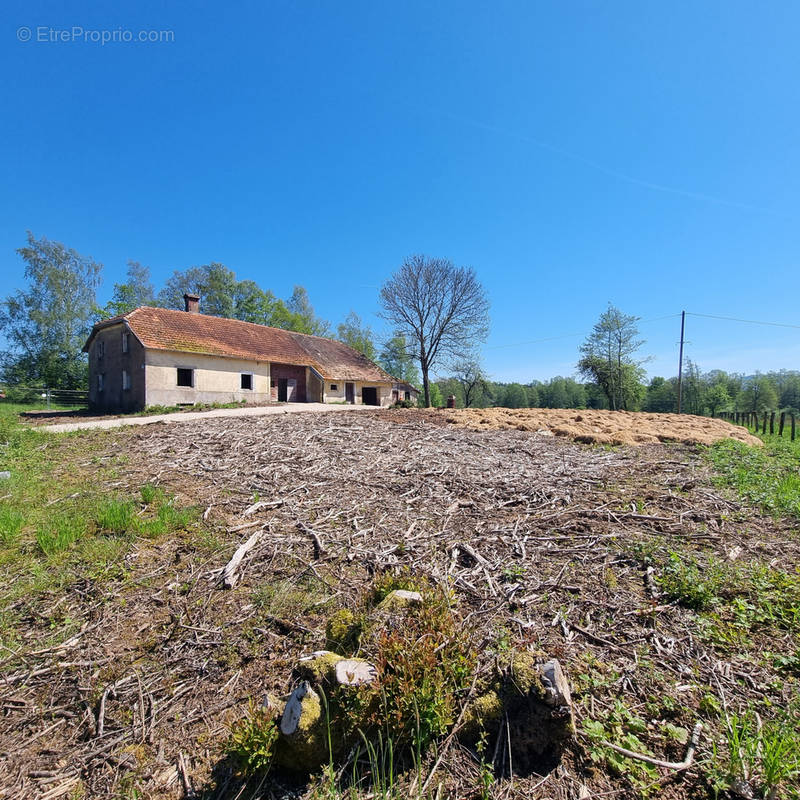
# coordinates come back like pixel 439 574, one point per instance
pixel 433 306
pixel 47 322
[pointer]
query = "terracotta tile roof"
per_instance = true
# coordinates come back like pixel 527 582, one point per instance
pixel 168 329
pixel 337 360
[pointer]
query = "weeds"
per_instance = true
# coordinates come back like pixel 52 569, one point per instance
pixel 765 755
pixel 768 477
pixel 252 740
pixel 682 579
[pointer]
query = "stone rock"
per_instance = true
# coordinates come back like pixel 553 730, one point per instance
pixel 354 672
pixel 399 600
pixel 539 707
pixel 5 475
pixel 534 696
pixel 303 745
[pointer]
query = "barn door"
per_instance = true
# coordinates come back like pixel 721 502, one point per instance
pixel 350 392
pixel 282 389
pixel 291 390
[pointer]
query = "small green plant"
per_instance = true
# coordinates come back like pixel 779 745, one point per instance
pixel 117 516
pixel 11 523
pixel 764 754
pixel 252 740
pixel 151 494
pixel 767 477
pixel 402 579
pixel 624 728
pixel 59 533
pixel 683 579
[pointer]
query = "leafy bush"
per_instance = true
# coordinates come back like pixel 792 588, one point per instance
pixel 253 739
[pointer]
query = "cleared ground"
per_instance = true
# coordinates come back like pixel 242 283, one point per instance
pixel 603 427
pixel 124 681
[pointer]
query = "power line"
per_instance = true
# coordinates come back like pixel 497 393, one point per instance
pixel 749 321
pixel 570 335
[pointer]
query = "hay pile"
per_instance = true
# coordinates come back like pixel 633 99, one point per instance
pixel 603 427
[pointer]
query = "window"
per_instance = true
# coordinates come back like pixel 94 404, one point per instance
pixel 101 379
pixel 185 377
pixel 126 379
pixel 101 349
pixel 247 380
pixel 125 342
pixel 334 387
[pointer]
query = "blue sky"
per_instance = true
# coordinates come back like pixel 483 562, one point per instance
pixel 573 153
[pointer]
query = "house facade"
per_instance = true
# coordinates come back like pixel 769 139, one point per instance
pixel 159 356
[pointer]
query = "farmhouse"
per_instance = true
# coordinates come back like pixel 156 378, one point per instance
pixel 160 356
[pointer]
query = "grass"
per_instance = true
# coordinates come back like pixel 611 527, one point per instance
pixel 767 477
pixel 765 754
pixel 58 523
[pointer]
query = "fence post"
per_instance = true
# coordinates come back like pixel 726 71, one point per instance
pixel 764 424
pixel 780 423
pixel 792 426
pixel 47 391
pixel 771 423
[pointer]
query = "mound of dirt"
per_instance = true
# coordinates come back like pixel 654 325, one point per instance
pixel 603 427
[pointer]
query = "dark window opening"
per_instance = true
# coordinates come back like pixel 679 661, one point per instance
pixel 247 380
pixel 185 377
pixel 334 387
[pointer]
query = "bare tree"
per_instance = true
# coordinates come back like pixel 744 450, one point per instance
pixel 440 308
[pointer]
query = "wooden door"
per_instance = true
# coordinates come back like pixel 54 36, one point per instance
pixel 291 390
pixel 350 392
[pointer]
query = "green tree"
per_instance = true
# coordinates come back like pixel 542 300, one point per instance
pixel 436 398
pixel 692 390
pixel 135 292
pixel 758 394
pixel 303 319
pixel 396 358
pixel 515 396
pixel 534 397
pixel 661 396
pixel 355 334
pixel 716 398
pixel 214 282
pixel 47 324
pixel 252 304
pixel 440 308
pixel 469 375
pixel 608 358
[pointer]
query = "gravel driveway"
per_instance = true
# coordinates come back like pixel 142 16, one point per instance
pixel 191 416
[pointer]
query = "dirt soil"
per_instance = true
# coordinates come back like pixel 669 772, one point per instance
pixel 139 700
pixel 602 427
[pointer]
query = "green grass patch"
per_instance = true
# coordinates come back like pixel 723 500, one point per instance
pixel 58 524
pixel 767 477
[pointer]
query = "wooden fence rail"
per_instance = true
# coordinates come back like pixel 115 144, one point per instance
pixel 750 419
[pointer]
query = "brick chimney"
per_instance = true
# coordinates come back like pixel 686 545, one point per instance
pixel 192 302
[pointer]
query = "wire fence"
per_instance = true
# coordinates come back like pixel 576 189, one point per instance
pixel 44 395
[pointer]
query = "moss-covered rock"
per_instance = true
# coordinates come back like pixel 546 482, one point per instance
pixel 302 746
pixel 319 668
pixel 482 714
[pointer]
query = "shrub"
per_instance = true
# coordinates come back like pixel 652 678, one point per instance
pixel 253 739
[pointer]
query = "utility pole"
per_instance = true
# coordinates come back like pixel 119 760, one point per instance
pixel 680 362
